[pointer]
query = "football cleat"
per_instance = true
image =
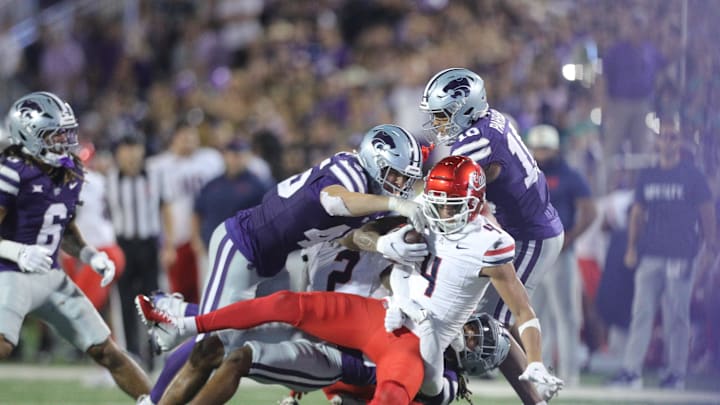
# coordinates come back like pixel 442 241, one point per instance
pixel 149 313
pixel 173 304
pixel 164 331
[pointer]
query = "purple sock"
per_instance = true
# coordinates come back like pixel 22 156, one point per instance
pixel 192 309
pixel 174 362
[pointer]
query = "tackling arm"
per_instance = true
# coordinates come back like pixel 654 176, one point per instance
pixel 336 198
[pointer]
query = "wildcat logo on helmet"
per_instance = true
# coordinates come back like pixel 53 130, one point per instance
pixel 383 141
pixel 458 87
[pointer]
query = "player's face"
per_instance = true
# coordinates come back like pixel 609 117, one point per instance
pixel 472 336
pixel 448 210
pixel 440 121
pixel 59 140
pixel 395 178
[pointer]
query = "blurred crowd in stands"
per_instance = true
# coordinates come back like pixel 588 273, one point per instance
pixel 299 80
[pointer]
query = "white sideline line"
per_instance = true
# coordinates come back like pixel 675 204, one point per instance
pixel 481 388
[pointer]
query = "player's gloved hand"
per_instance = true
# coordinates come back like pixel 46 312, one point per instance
pixel 538 374
pixel 394 317
pixel 393 246
pixel 410 210
pixel 34 258
pixel 100 263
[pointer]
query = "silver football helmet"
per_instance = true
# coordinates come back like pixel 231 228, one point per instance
pixel 487 344
pixel 454 98
pixel 387 152
pixel 45 126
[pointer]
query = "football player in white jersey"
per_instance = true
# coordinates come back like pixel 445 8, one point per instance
pixel 467 253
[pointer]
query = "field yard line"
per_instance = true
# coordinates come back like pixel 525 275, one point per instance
pixel 482 388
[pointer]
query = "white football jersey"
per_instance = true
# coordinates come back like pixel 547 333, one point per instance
pixel 92 216
pixel 183 177
pixel 332 267
pixel 448 283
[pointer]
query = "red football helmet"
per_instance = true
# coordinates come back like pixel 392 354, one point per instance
pixel 454 194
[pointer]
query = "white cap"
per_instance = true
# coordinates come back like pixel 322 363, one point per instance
pixel 543 136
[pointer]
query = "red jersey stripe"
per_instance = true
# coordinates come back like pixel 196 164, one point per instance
pixel 499 251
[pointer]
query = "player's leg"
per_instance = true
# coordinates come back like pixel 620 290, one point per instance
pixel 565 305
pixel 232 278
pixel 223 384
pixel 344 319
pixel 399 368
pixel 205 357
pixel 299 365
pixel 125 371
pixel 76 320
pixel 20 293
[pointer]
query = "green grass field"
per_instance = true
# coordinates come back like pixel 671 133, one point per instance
pixel 70 385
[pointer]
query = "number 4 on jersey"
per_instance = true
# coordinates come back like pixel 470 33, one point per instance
pixel 429 271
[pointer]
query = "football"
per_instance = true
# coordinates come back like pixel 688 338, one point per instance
pixel 413 236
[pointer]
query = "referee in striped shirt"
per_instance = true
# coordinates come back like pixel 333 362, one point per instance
pixel 138 210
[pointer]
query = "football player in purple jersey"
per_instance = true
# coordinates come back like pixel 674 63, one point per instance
pixel 461 118
pixel 40 181
pixel 248 251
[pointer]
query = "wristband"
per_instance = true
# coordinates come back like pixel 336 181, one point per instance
pixel 10 250
pixel 533 323
pixel 393 203
pixel 86 254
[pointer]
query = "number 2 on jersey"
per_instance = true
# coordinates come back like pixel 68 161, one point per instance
pixel 351 258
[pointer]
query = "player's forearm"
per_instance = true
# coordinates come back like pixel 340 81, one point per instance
pixel 355 204
pixel 531 338
pixel 72 241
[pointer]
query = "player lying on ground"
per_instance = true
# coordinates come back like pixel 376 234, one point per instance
pixel 453 291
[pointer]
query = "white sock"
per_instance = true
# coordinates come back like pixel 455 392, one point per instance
pixel 187 325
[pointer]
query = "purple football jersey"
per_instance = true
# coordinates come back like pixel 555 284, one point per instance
pixel 520 192
pixel 291 216
pixel 37 209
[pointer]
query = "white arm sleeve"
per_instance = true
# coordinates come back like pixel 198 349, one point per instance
pixel 334 206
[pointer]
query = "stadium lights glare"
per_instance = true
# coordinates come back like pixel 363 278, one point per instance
pixel 568 72
pixel 572 72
